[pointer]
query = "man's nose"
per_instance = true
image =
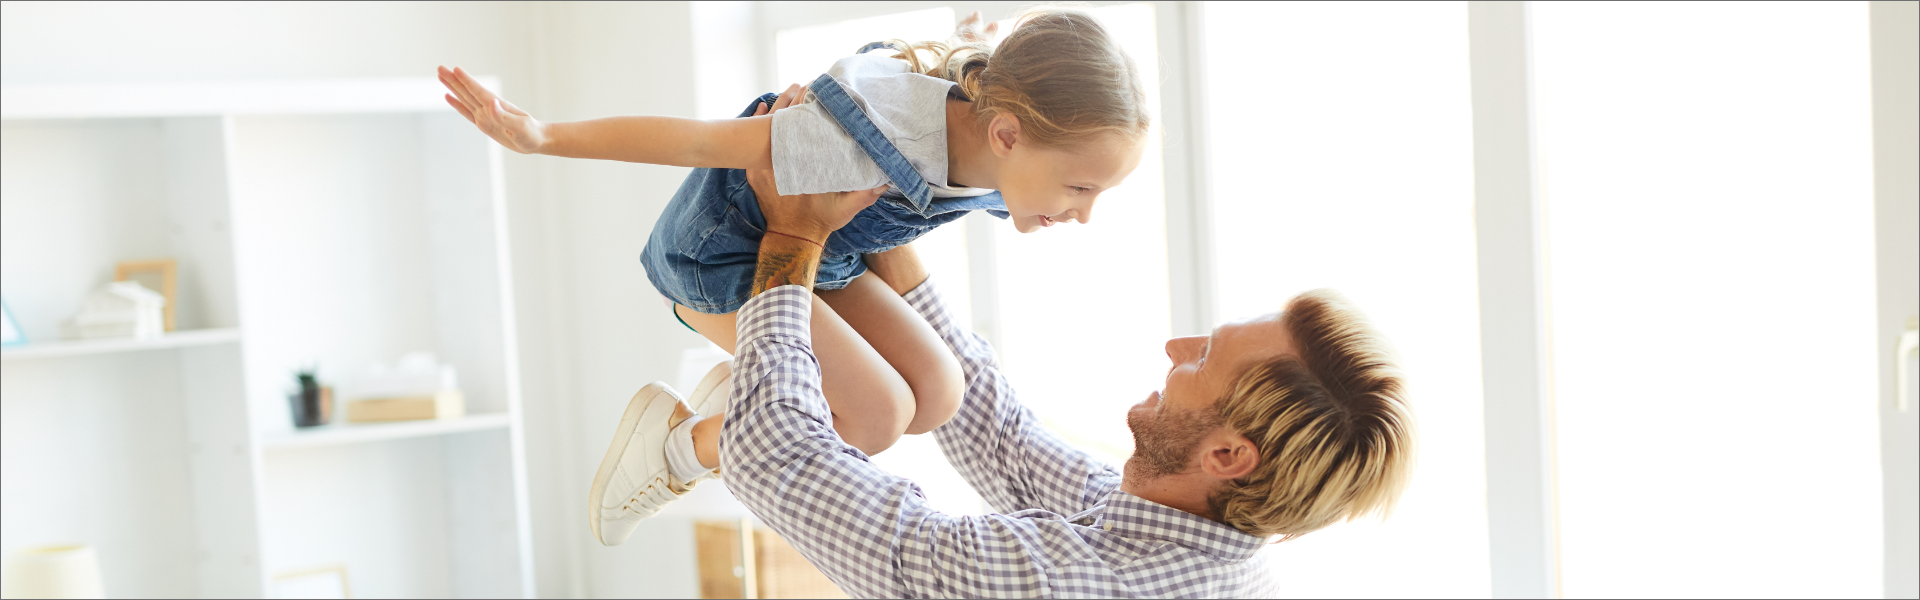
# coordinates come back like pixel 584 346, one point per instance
pixel 1183 349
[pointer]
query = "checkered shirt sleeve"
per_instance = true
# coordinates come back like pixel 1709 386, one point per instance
pixel 1069 532
pixel 997 443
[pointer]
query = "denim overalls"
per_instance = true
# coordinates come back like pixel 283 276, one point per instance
pixel 706 245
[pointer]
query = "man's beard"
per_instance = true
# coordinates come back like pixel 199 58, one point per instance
pixel 1164 442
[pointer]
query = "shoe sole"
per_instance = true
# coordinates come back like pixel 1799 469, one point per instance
pixel 703 393
pixel 636 408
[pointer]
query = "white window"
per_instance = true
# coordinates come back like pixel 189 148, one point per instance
pixel 1707 173
pixel 1341 154
pixel 1707 177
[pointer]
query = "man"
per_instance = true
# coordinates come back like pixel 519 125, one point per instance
pixel 1272 427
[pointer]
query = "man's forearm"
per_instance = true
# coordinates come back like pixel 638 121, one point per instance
pixel 785 261
pixel 900 267
pixel 994 442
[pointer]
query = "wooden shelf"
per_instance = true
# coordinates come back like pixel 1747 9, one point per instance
pixel 340 434
pixel 177 339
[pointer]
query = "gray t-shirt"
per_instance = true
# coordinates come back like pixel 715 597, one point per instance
pixel 812 154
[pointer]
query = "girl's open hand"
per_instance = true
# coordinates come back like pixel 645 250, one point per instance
pixel 969 30
pixel 497 118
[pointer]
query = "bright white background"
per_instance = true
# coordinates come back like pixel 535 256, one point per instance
pixel 1342 158
pixel 1704 165
pixel 1707 170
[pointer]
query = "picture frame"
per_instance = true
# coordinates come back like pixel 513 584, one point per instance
pixel 324 582
pixel 162 272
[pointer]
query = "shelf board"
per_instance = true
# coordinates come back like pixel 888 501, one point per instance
pixel 177 339
pixel 184 99
pixel 340 434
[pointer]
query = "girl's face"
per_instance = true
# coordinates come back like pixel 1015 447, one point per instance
pixel 1044 186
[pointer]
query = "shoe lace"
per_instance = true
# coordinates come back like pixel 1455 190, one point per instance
pixel 651 498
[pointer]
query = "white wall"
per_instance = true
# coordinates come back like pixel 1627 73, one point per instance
pixel 1895 39
pixel 592 330
pixel 609 59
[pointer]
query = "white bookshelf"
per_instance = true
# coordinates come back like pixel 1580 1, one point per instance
pixel 173 339
pixel 338 434
pixel 341 223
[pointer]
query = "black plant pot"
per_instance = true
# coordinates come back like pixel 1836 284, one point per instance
pixel 308 409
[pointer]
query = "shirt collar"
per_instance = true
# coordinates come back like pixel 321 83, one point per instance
pixel 1132 516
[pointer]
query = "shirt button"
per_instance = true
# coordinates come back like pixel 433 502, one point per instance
pixel 1107 525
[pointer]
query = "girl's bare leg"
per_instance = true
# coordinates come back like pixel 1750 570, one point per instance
pixel 908 343
pixel 871 403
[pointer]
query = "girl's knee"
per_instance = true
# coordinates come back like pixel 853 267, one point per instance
pixel 938 393
pixel 876 431
pixel 878 422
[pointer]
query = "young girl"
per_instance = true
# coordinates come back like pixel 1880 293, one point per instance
pixel 1033 131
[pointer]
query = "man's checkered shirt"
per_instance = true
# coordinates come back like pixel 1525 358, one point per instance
pixel 1063 529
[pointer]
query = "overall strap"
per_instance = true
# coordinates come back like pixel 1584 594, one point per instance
pixel 877 146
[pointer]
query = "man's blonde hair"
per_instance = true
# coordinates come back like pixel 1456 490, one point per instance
pixel 1332 424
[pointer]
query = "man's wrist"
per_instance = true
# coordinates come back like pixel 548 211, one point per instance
pixel 786 261
pixel 813 232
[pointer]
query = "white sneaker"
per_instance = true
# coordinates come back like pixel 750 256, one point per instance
pixel 634 481
pixel 711 395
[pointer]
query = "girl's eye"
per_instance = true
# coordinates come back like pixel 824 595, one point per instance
pixel 1079 189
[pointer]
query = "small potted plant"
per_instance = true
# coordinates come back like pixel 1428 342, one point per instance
pixel 312 403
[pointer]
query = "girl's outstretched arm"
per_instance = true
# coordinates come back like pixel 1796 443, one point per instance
pixel 723 144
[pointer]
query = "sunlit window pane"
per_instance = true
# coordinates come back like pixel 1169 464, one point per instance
pixel 944 252
pixel 1707 171
pixel 1084 309
pixel 806 52
pixel 1342 157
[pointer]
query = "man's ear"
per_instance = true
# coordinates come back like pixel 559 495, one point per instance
pixel 1002 133
pixel 1228 455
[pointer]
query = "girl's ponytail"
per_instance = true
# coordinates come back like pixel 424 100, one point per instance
pixel 958 62
pixel 1059 72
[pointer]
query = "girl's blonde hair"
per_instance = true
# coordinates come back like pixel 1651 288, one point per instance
pixel 1059 72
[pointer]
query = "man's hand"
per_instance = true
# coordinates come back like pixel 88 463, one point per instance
pixel 497 118
pixel 810 216
pixel 798 226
